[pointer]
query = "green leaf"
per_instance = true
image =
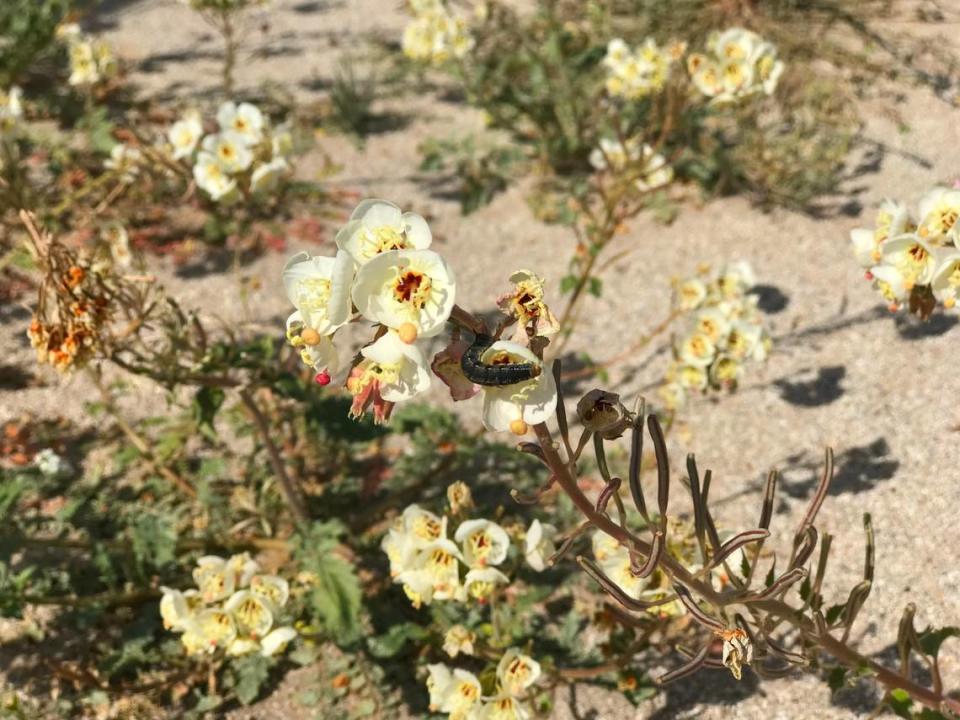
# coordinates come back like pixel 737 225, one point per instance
pixel 834 612
pixel 250 673
pixel 595 287
pixel 568 283
pixel 336 598
pixel 900 702
pixel 391 642
pixel 837 678
pixel 206 403
pixel 931 640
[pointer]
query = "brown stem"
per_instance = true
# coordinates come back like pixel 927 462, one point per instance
pixel 140 443
pixel 288 489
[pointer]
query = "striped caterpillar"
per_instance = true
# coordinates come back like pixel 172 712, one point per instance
pixel 481 373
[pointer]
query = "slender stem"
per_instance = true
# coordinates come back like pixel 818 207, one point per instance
pixel 288 489
pixel 139 442
pixel 230 53
pixel 840 650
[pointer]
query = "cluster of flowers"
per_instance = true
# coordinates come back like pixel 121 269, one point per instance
pixel 725 330
pixel 91 60
pixel 914 257
pixel 234 608
pixel 633 74
pixel 11 111
pixel 634 159
pixel 739 64
pixel 460 694
pixel 427 563
pixel 73 315
pixel 435 35
pixel 245 156
pixel 385 273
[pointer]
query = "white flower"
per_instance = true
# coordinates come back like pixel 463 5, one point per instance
pixel 911 256
pixel 484 542
pixel 185 134
pixel 319 288
pixel 697 349
pixel 458 640
pixel 866 248
pixel 614 559
pixel 378 226
pixel 276 640
pixel 741 64
pixel 891 284
pixel 538 545
pixel 413 530
pixel 244 119
pixel 504 707
pixel 939 212
pixel 214 578
pixel 480 584
pixel 406 287
pixel 316 350
pixel 395 370
pixel 124 160
pixel 213 178
pixel 691 294
pixel 118 241
pixel 52 465
pixel 243 646
pixel 438 681
pixel 267 176
pixel 272 587
pixel 11 110
pixel 461 694
pixel 83 64
pixel 209 630
pixel 177 608
pixel 516 672
pixel 514 407
pixel 435 573
pixel 635 74
pixel 946 280
pixel 230 149
pixel 251 613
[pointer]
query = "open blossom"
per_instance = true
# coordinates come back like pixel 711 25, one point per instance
pixel 434 573
pixel 484 542
pixel 909 258
pixel 230 149
pixel 319 288
pixel 267 176
pixel 435 35
pixel 244 119
pixel 515 407
pixel 538 544
pixel 412 531
pixel 185 134
pixel 892 219
pixel 378 226
pixel 739 64
pixel 724 330
pixel 406 287
pixel 458 639
pixel 481 583
pixel 505 707
pixel 946 280
pixel 213 178
pixel 633 160
pixel 11 110
pixel 392 371
pixel 90 60
pixel 526 303
pixel 516 672
pixel 634 74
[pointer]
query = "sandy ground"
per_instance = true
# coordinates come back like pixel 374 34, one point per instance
pixel 880 390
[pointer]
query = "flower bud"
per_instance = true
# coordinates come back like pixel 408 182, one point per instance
pixel 603 413
pixel 459 497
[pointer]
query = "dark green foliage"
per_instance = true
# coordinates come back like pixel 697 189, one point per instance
pixel 26 32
